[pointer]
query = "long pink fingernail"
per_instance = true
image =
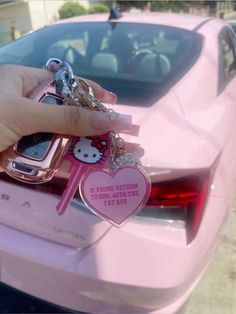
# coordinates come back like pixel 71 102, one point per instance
pixel 113 120
pixel 109 97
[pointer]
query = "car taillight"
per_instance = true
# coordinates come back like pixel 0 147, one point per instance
pixel 179 202
pixel 181 199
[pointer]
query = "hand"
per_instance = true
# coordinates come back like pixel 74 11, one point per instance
pixel 20 116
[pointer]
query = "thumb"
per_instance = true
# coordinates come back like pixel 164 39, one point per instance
pixel 73 120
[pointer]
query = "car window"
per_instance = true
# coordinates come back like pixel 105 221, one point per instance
pixel 227 57
pixel 139 62
pixel 16 51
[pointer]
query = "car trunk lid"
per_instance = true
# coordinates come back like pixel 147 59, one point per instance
pixel 32 209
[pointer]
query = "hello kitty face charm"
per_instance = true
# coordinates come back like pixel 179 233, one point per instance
pixel 89 150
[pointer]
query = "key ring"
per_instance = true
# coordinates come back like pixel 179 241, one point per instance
pixel 65 81
pixel 98 163
pixel 71 89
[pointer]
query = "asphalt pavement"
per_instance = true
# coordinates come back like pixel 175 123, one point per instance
pixel 12 301
pixel 216 292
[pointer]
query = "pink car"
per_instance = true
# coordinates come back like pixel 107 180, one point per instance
pixel 175 74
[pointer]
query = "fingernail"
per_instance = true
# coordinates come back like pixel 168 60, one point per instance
pixel 111 120
pixel 109 97
pixel 139 151
pixel 134 130
pixel 53 66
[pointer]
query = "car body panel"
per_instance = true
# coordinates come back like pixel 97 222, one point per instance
pixel 169 270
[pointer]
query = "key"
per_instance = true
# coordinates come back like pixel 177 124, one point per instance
pixel 85 152
pixel 75 173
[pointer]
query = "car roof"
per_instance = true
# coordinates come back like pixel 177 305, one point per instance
pixel 181 20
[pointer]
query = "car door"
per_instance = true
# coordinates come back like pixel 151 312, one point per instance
pixel 227 93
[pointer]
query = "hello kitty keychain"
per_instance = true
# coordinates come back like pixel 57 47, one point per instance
pixel 118 191
pixel 111 181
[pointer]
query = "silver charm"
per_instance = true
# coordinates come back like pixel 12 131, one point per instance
pixel 126 159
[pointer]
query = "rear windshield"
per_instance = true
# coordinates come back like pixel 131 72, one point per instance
pixel 139 62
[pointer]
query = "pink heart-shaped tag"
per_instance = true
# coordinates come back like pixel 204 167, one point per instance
pixel 116 196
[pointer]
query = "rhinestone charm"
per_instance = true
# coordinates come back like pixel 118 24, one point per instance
pixel 127 159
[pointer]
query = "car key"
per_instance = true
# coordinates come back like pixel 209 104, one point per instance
pixel 35 158
pixel 84 152
pixel 96 153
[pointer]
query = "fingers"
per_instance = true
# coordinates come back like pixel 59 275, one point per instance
pixel 81 122
pixel 33 77
pixel 70 120
pixel 102 94
pixel 20 80
pixel 22 116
